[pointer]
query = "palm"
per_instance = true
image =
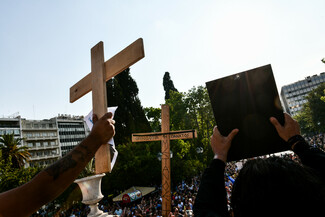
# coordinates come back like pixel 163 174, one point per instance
pixel 11 151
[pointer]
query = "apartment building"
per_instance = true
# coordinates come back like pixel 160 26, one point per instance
pixel 72 130
pixel 293 95
pixel 47 140
pixel 11 126
pixel 42 139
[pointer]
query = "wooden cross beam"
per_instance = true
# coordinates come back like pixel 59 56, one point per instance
pixel 95 81
pixel 165 136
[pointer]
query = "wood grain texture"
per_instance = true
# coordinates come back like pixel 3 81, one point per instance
pixel 121 61
pixel 165 162
pixel 99 99
pixel 124 59
pixel 174 135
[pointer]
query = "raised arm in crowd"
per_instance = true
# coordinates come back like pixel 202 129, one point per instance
pixel 265 187
pixel 52 181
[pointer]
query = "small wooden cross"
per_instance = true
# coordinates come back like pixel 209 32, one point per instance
pixel 95 81
pixel 165 136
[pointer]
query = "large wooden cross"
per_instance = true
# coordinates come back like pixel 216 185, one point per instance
pixel 95 81
pixel 165 136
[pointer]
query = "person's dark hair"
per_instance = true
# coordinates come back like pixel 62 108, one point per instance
pixel 277 187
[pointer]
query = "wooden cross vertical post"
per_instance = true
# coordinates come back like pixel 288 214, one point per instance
pixel 165 136
pixel 165 162
pixel 95 81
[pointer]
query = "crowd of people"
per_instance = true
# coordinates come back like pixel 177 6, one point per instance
pixel 183 195
pixel 317 140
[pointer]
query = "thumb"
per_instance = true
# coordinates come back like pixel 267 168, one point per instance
pixel 275 123
pixel 108 115
pixel 216 131
pixel 232 134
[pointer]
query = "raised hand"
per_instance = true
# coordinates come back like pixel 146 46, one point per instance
pixel 103 129
pixel 290 128
pixel 220 145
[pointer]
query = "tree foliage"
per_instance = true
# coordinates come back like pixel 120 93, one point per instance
pixel 168 85
pixel 192 110
pixel 154 117
pixel 11 177
pixel 137 165
pixel 12 151
pixel 122 91
pixel 312 116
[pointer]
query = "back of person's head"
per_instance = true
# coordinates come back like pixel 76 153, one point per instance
pixel 277 187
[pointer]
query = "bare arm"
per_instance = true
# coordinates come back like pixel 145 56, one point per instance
pixel 52 181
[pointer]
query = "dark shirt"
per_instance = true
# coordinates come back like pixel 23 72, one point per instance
pixel 211 200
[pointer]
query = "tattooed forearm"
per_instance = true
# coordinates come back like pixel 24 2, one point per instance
pixel 65 164
pixel 61 166
pixel 85 148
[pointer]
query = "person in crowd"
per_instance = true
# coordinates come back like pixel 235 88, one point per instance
pixel 176 213
pixel 52 181
pixel 265 187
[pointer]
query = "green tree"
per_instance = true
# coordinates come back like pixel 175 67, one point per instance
pixel 154 117
pixel 323 97
pixel 312 116
pixel 168 85
pixel 12 151
pixel 134 159
pixel 11 177
pixel 305 121
pixel 137 165
pixel 122 91
pixel 191 110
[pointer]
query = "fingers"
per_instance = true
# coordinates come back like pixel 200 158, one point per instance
pixel 216 131
pixel 95 118
pixel 232 134
pixel 287 118
pixel 275 123
pixel 108 115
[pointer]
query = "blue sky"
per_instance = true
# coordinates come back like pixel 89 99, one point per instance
pixel 45 45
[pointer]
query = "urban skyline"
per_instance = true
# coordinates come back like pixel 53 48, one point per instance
pixel 45 46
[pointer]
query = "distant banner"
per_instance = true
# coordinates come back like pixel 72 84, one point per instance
pixel 130 197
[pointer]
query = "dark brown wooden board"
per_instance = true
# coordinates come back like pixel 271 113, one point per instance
pixel 246 101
